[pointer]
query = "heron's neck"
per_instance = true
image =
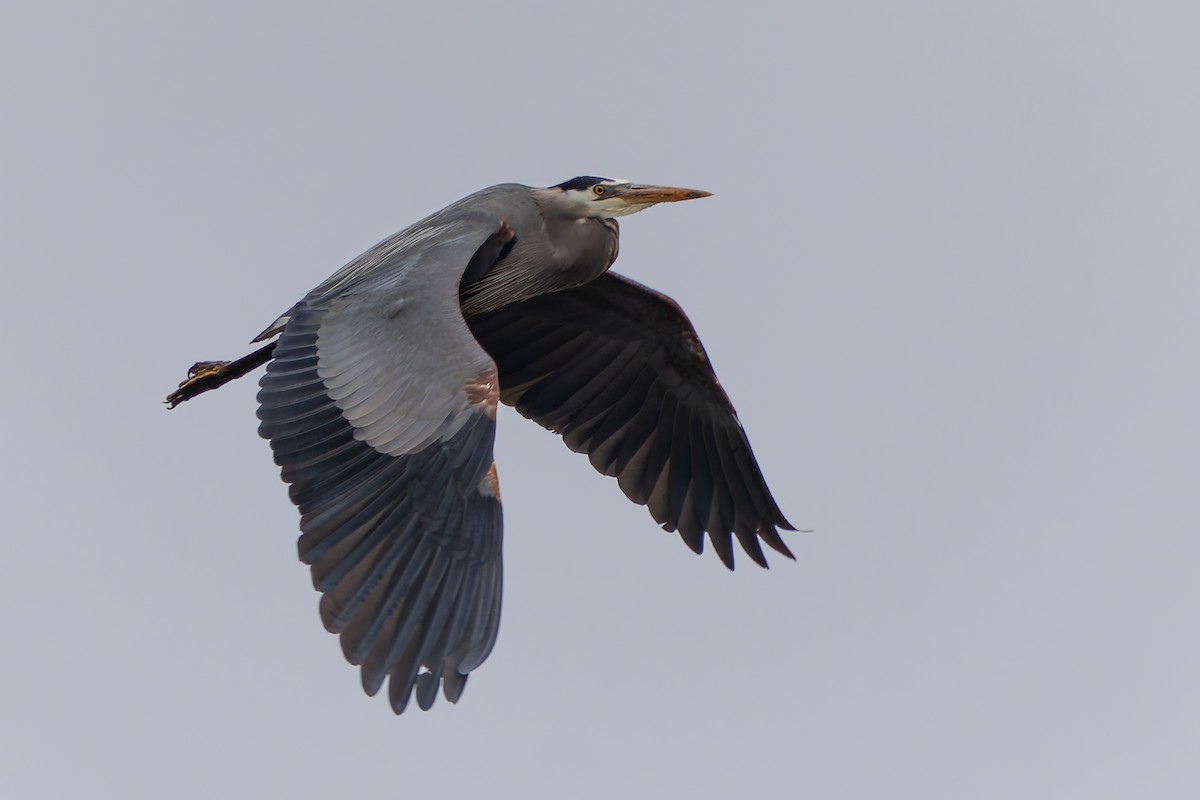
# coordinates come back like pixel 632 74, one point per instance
pixel 568 253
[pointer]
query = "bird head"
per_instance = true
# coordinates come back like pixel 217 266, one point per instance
pixel 604 198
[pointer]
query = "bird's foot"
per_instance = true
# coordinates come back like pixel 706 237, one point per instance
pixel 206 375
pixel 202 376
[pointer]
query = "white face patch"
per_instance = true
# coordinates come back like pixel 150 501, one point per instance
pixel 622 209
pixel 608 205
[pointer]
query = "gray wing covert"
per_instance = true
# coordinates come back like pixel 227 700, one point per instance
pixel 380 408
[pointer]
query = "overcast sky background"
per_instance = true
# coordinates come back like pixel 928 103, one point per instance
pixel 949 277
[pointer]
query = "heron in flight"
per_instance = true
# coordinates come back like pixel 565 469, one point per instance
pixel 380 397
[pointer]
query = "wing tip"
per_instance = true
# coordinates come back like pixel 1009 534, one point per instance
pixel 775 542
pixel 781 521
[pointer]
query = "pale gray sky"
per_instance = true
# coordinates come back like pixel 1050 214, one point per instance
pixel 949 277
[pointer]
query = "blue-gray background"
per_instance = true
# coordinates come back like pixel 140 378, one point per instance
pixel 949 276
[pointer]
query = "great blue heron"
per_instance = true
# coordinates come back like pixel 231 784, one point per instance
pixel 380 400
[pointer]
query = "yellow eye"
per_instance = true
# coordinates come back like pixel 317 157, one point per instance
pixel 598 189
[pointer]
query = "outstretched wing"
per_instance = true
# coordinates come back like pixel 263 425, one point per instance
pixel 618 370
pixel 380 407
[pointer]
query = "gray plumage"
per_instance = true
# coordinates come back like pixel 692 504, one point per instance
pixel 380 400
